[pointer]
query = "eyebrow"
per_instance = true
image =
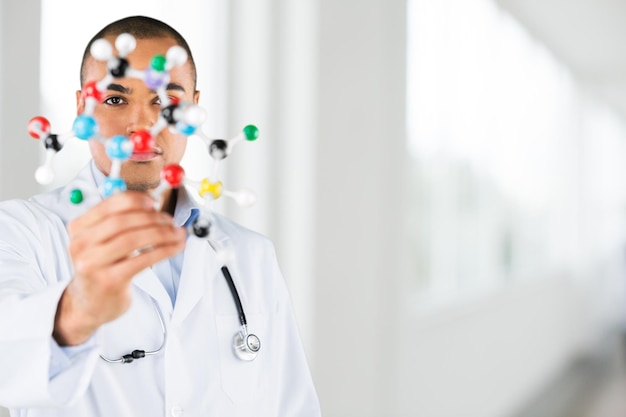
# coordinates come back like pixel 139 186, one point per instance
pixel 119 88
pixel 124 90
pixel 175 86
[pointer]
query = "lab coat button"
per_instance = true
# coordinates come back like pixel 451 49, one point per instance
pixel 177 411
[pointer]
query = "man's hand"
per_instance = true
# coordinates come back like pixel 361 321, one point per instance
pixel 109 244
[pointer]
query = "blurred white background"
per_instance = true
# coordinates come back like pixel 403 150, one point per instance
pixel 444 181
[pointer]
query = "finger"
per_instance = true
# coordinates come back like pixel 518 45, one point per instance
pixel 145 240
pixel 113 283
pixel 117 225
pixel 94 258
pixel 118 203
pixel 134 264
pixel 125 269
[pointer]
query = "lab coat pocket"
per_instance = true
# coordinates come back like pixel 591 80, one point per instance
pixel 242 380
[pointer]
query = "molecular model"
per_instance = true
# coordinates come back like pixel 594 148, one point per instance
pixel 180 117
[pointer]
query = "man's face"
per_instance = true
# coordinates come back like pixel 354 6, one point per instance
pixel 128 105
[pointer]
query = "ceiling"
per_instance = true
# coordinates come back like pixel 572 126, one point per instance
pixel 589 36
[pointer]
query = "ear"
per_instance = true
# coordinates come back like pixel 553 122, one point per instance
pixel 196 97
pixel 80 102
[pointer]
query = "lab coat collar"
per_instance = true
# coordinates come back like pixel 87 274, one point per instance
pixel 201 265
pixel 148 282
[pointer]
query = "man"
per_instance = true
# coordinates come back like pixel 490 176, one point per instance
pixel 79 290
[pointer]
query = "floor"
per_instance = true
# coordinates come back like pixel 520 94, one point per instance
pixel 595 387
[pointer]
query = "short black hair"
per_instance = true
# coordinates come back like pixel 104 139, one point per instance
pixel 140 27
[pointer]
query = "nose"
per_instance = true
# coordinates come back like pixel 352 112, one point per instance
pixel 141 117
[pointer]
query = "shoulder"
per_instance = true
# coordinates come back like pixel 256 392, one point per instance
pixel 26 214
pixel 239 235
pixel 253 252
pixel 30 232
pixel 43 215
pixel 57 203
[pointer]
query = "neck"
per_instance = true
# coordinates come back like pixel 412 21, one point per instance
pixel 170 198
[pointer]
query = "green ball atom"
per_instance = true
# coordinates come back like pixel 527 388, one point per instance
pixel 158 63
pixel 251 132
pixel 76 196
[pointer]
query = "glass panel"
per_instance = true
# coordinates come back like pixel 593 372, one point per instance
pixel 501 175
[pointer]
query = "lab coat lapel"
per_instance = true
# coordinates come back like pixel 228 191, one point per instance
pixel 148 282
pixel 199 265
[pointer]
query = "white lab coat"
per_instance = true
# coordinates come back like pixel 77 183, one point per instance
pixel 196 374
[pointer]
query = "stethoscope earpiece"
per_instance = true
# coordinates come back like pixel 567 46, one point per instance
pixel 246 345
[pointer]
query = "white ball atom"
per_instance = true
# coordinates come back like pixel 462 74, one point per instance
pixel 194 115
pixel 44 175
pixel 125 44
pixel 101 50
pixel 245 198
pixel 175 56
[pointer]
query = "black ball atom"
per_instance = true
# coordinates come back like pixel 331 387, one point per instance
pixel 120 69
pixel 168 113
pixel 52 142
pixel 218 149
pixel 201 228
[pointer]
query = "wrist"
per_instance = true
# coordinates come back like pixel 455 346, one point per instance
pixel 71 325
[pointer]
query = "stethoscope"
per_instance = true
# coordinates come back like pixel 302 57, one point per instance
pixel 245 345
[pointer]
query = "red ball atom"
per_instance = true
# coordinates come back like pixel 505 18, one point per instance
pixel 142 141
pixel 174 174
pixel 38 127
pixel 90 90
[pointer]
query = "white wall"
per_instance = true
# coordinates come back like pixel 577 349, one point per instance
pixel 19 83
pixel 273 83
pixel 19 99
pixel 359 204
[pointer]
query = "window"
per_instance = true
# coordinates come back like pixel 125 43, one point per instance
pixel 507 154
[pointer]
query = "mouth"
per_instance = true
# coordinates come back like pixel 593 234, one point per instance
pixel 146 156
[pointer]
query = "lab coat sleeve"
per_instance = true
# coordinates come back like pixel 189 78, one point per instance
pixel 62 357
pixel 297 396
pixel 33 275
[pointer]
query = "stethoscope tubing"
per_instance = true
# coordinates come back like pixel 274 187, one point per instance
pixel 137 353
pixel 235 294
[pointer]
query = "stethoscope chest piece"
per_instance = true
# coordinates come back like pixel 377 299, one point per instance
pixel 246 345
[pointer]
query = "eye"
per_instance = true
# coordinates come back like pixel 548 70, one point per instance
pixel 172 99
pixel 114 101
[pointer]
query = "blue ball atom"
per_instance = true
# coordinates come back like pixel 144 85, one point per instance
pixel 185 129
pixel 112 186
pixel 85 127
pixel 119 147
